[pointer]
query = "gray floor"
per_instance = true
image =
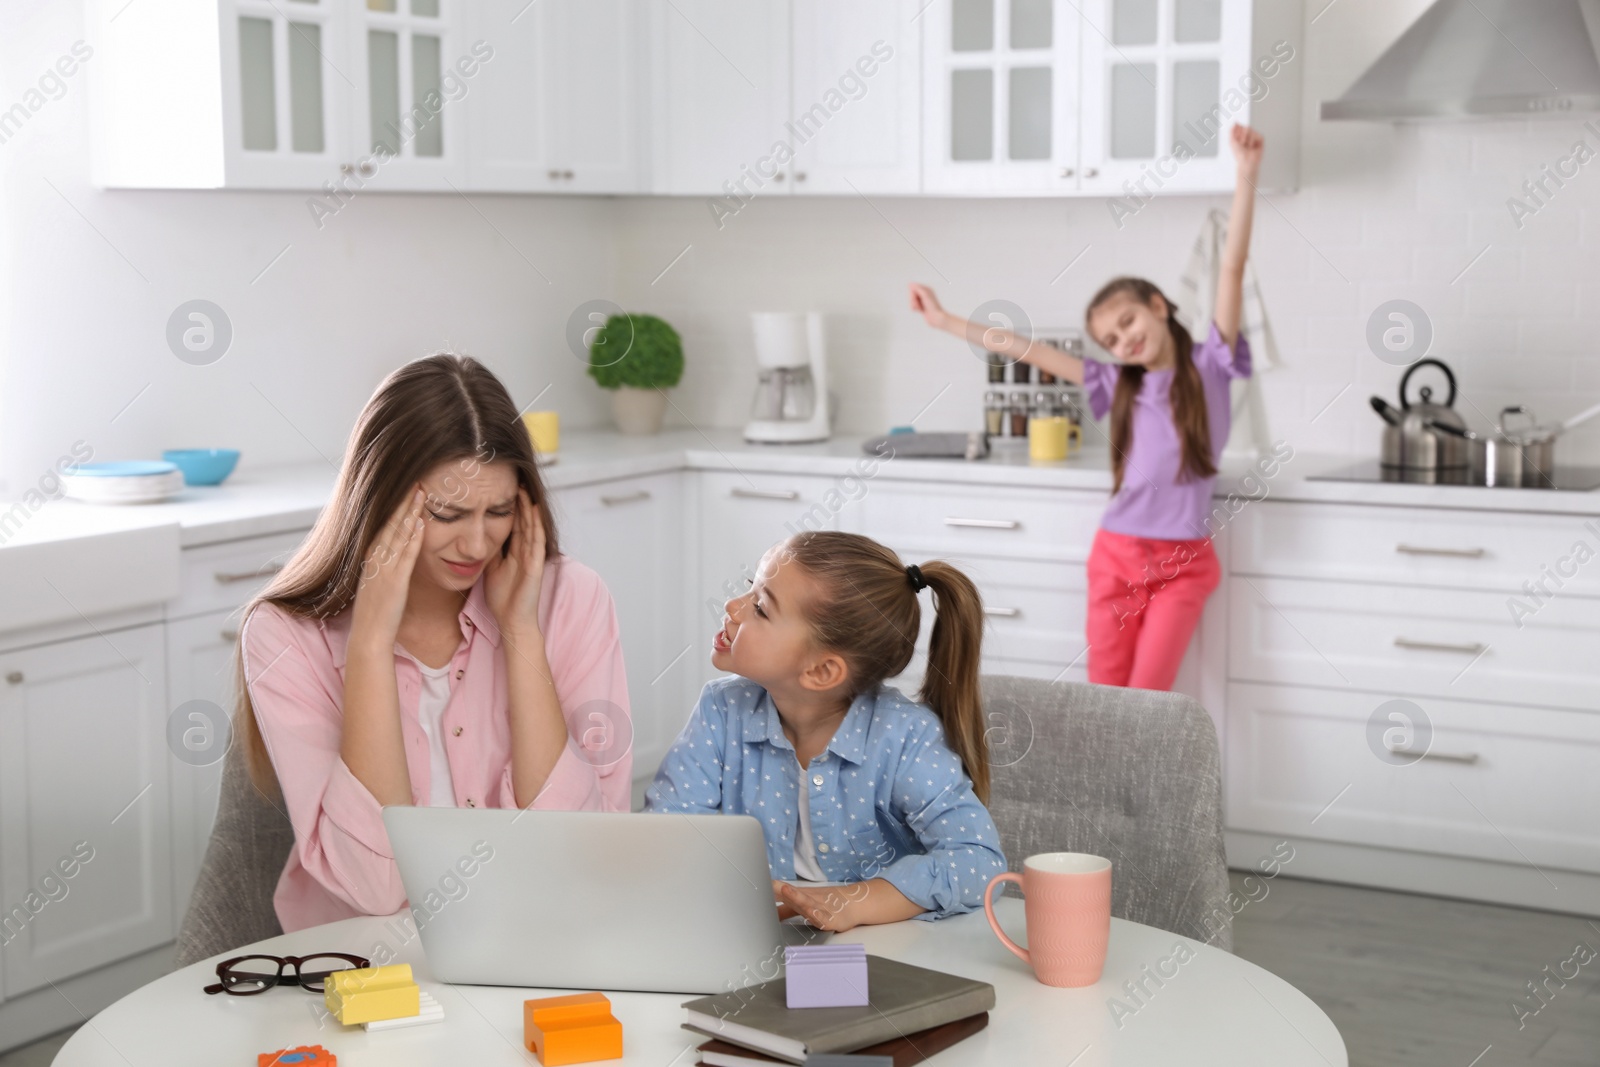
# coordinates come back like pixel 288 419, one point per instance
pixel 1407 979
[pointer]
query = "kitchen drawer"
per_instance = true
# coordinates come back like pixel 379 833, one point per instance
pixel 1033 610
pixel 1509 783
pixel 1417 546
pixel 223 576
pixel 962 519
pixel 1436 642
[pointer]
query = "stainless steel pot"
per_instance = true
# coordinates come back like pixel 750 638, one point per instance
pixel 1425 436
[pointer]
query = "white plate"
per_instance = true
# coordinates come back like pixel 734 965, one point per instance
pixel 144 489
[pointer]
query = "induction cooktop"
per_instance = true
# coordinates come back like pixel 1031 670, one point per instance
pixel 1572 479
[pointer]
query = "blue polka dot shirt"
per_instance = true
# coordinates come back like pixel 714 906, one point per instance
pixel 887 798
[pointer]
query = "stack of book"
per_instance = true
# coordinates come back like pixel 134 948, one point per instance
pixel 912 1014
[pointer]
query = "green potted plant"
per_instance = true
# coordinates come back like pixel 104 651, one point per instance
pixel 638 358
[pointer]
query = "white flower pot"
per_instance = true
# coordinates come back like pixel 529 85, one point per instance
pixel 638 411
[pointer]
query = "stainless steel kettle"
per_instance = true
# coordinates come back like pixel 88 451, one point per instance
pixel 1423 435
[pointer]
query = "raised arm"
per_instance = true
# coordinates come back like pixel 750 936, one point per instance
pixel 992 338
pixel 1247 147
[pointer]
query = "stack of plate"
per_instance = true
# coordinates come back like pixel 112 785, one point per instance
pixel 124 482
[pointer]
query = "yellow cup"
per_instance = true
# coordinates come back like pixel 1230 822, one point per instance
pixel 544 427
pixel 1047 437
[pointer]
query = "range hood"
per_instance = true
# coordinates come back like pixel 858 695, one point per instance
pixel 1481 58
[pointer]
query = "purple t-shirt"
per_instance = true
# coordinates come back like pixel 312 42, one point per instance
pixel 1152 501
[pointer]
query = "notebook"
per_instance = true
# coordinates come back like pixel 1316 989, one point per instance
pixel 902 1051
pixel 904 1000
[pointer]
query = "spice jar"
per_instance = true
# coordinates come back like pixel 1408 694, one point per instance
pixel 994 413
pixel 997 368
pixel 1019 414
pixel 1021 374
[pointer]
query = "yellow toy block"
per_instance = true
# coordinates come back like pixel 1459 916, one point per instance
pixel 572 1029
pixel 372 993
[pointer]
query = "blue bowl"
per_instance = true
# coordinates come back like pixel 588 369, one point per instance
pixel 203 466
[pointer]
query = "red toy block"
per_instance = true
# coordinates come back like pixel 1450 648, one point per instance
pixel 303 1056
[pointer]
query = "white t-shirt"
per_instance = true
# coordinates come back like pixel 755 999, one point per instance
pixel 431 701
pixel 805 847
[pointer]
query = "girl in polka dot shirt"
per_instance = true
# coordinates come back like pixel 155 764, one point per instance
pixel 871 802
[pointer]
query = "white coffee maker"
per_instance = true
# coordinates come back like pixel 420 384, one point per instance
pixel 791 399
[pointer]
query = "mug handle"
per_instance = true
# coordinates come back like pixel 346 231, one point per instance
pixel 988 909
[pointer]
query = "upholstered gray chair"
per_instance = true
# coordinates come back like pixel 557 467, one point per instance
pixel 250 843
pixel 1129 774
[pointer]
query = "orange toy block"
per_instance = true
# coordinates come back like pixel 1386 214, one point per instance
pixel 573 1029
pixel 304 1056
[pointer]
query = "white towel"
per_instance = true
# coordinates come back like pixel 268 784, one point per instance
pixel 1198 298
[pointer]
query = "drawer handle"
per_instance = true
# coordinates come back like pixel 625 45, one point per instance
pixel 229 577
pixel 766 494
pixel 1448 757
pixel 986 524
pixel 230 636
pixel 14 677
pixel 628 498
pixel 1004 613
pixel 1458 553
pixel 1473 649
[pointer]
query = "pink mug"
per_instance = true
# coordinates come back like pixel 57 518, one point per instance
pixel 1067 901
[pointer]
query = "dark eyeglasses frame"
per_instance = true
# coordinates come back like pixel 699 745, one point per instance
pixel 313 985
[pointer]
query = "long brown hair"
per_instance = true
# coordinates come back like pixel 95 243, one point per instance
pixel 869 613
pixel 440 409
pixel 1187 395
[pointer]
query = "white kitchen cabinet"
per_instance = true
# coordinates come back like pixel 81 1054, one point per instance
pixel 559 108
pixel 83 777
pixel 856 96
pixel 721 84
pixel 1000 96
pixel 200 666
pixel 403 55
pixel 630 532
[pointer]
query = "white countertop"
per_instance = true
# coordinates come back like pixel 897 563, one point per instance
pixel 275 499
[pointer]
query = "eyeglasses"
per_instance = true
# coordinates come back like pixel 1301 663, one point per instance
pixel 245 976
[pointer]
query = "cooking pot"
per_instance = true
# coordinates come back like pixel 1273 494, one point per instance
pixel 1423 435
pixel 1524 456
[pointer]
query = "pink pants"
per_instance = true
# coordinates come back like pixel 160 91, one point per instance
pixel 1145 599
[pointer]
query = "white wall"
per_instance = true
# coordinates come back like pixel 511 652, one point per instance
pixel 389 278
pixel 1384 212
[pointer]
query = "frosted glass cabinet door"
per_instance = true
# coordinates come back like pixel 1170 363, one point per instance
pixel 408 84
pixel 285 97
pixel 1000 96
pixel 1161 90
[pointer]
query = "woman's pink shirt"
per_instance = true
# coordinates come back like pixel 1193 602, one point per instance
pixel 341 864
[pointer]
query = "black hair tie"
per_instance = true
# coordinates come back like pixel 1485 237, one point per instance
pixel 918 582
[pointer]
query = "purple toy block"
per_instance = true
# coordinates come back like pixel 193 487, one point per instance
pixel 825 976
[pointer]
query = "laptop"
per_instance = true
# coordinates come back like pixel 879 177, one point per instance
pixel 665 903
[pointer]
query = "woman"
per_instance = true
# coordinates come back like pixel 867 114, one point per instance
pixel 427 645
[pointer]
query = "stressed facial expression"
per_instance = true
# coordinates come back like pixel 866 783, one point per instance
pixel 467 516
pixel 1133 331
pixel 765 636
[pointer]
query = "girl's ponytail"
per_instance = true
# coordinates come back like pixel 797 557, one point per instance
pixel 950 685
pixel 868 610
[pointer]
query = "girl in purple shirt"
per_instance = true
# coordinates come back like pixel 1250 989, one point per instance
pixel 1151 566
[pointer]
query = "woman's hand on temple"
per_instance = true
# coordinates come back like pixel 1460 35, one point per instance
pixel 512 582
pixel 386 573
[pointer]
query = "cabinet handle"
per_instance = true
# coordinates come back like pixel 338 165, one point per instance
pixel 14 677
pixel 1067 172
pixel 1004 613
pixel 228 577
pixel 1092 172
pixel 765 494
pixel 1459 553
pixel 567 174
pixel 1435 646
pixel 555 175
pixel 230 636
pixel 987 524
pixel 628 498
pixel 799 175
pixel 778 177
pixel 1448 757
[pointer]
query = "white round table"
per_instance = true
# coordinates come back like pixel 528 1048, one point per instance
pixel 1213 1009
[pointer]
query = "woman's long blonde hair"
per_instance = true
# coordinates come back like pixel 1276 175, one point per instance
pixel 441 409
pixel 869 613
